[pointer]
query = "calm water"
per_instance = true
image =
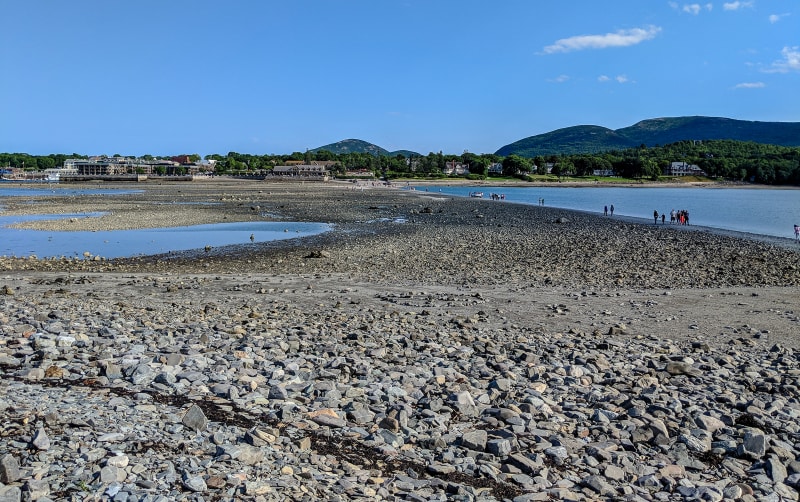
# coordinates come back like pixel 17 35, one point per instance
pixel 124 243
pixel 751 210
pixel 8 189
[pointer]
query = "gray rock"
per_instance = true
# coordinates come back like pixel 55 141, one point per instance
pixel 475 440
pixel 437 469
pixel 776 470
pixel 10 494
pixel 40 440
pixel 113 371
pixel 9 469
pixel 499 447
pixel 37 488
pixel 681 368
pixel 194 418
pixel 558 453
pixel 754 444
pixel 709 493
pixel 194 483
pixel 600 486
pixel 247 454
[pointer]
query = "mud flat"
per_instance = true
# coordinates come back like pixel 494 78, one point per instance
pixel 429 348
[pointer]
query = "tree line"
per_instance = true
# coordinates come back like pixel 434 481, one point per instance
pixel 720 159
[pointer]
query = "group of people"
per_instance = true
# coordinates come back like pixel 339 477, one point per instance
pixel 605 210
pixel 680 217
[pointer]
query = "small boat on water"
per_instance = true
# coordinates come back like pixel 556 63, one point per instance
pixel 477 195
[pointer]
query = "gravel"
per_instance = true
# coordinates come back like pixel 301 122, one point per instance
pixel 429 348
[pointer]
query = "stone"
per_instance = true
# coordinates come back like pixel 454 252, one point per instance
pixel 438 469
pixel 194 418
pixel 244 453
pixel 776 470
pixel 10 494
pixel 37 488
pixel 118 461
pixel 709 423
pixel 614 472
pixel 474 440
pixel 40 440
pixel 754 444
pixel 9 469
pixel 600 486
pixel 195 483
pixel 499 447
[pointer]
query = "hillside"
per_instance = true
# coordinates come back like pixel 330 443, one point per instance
pixel 575 139
pixel 359 146
pixel 652 132
pixel 352 146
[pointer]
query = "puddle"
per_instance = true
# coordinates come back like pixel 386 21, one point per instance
pixel 50 190
pixel 127 243
pixel 387 220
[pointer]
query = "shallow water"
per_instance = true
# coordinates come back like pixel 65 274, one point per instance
pixel 752 210
pixel 44 189
pixel 127 243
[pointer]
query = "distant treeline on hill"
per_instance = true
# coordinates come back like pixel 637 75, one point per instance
pixel 719 159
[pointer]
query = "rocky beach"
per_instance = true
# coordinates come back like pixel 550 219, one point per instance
pixel 427 348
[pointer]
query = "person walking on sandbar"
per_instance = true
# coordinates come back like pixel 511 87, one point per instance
pixel 655 217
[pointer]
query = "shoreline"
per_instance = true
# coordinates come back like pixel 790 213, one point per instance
pixel 595 184
pixel 426 347
pixel 368 218
pixel 206 212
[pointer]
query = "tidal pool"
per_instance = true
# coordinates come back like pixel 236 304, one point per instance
pixel 150 241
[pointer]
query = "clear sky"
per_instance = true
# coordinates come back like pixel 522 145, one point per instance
pixel 166 77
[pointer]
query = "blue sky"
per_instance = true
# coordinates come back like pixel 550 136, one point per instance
pixel 165 77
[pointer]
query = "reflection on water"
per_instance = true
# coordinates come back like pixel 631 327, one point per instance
pixel 126 243
pixel 40 190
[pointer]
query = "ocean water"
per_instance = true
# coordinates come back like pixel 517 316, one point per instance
pixel 772 212
pixel 127 243
pixel 9 189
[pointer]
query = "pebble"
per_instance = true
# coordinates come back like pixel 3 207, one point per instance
pixel 216 385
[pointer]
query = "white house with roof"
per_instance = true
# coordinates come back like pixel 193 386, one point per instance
pixel 684 169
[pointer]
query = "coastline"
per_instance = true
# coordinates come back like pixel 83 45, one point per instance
pixel 592 184
pixel 369 216
pixel 549 347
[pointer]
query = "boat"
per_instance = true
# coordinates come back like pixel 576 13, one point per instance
pixel 477 195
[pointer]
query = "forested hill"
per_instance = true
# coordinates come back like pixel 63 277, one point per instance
pixel 653 132
pixel 359 146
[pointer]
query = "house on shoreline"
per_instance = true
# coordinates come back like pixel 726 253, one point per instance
pixel 683 169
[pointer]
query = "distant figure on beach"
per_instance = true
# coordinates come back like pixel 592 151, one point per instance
pixel 655 217
pixel 663 218
pixel 612 209
pixel 672 217
pixel 252 237
pixel 797 232
pixel 605 210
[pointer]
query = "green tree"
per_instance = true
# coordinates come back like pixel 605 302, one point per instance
pixel 514 164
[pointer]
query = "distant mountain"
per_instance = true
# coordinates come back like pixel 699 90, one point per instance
pixel 405 153
pixel 652 132
pixel 352 146
pixel 359 146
